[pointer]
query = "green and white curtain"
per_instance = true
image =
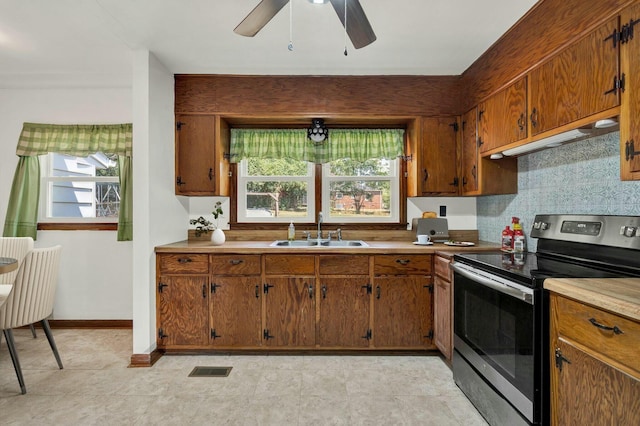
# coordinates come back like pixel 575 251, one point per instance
pixel 293 144
pixel 78 140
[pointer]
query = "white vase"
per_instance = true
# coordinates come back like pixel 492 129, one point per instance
pixel 217 237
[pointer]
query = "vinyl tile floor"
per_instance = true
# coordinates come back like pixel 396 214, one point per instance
pixel 96 387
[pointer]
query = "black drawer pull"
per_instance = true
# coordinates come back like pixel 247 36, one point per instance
pixel 184 260
pixel 615 328
pixel 403 262
pixel 236 261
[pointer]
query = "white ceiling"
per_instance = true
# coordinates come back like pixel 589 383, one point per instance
pixel 90 42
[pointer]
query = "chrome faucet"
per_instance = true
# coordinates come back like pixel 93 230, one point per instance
pixel 320 225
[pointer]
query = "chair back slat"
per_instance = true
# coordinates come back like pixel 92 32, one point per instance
pixel 32 296
pixel 15 248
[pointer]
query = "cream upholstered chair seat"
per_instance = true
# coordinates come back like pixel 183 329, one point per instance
pixel 31 300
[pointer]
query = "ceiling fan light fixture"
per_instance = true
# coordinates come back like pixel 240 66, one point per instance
pixel 318 132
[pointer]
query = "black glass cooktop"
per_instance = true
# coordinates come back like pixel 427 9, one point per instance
pixel 531 269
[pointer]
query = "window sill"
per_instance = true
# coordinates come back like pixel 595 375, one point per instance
pixel 50 226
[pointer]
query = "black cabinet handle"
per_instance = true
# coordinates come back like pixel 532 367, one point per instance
pixel 403 262
pixel 534 117
pixel 236 261
pixel 310 289
pixel 377 292
pixel 204 291
pixel 184 260
pixel 210 174
pixel 425 175
pixel 324 291
pixel 257 292
pixel 615 328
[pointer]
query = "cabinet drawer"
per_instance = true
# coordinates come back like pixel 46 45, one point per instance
pixel 278 264
pixel 183 263
pixel 235 264
pixel 402 264
pixel 344 264
pixel 574 321
pixel 441 266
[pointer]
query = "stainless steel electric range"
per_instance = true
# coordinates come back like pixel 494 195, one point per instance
pixel 501 315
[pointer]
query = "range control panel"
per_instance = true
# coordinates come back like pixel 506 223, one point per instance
pixel 616 231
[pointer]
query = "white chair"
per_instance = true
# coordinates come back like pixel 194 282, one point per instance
pixel 15 248
pixel 31 300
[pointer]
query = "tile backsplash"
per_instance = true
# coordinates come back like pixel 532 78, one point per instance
pixel 578 178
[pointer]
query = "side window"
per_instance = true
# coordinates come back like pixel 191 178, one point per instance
pixel 275 190
pixel 79 189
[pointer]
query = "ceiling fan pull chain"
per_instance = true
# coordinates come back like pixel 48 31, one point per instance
pixel 290 46
pixel 345 27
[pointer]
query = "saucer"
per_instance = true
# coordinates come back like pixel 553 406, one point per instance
pixel 423 244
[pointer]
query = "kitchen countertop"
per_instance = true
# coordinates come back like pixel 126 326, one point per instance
pixel 375 247
pixel 618 295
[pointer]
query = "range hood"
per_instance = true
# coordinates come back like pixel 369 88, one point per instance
pixel 551 141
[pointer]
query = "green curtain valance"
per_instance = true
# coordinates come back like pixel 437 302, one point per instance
pixel 75 139
pixel 293 144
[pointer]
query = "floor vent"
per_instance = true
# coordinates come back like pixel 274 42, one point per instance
pixel 210 372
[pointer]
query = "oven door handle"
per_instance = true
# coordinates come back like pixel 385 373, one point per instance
pixel 492 283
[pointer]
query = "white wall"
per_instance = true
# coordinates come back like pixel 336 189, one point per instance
pixel 95 276
pixel 159 216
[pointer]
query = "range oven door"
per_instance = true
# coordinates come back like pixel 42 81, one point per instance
pixel 494 333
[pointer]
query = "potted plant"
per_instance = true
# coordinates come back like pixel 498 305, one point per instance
pixel 203 226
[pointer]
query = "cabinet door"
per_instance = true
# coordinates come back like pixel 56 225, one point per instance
pixel 630 106
pixel 344 311
pixel 290 311
pixel 502 117
pixel 442 316
pixel 587 391
pixel 576 83
pixel 402 312
pixel 236 311
pixel 469 151
pixel 195 154
pixel 439 171
pixel 183 310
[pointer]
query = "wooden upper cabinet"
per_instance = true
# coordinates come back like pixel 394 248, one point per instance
pixel 481 175
pixel 200 165
pixel 438 171
pixel 630 102
pixel 502 118
pixel 469 148
pixel 578 82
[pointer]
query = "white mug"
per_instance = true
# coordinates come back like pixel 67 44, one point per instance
pixel 423 239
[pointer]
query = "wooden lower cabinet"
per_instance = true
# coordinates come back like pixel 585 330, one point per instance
pixel 442 307
pixel 235 311
pixel 402 312
pixel 595 374
pixel 183 311
pixel 344 312
pixel 269 301
pixel 290 313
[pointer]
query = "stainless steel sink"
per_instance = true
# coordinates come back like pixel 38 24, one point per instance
pixel 319 243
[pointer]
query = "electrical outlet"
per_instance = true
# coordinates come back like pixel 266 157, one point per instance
pixel 443 211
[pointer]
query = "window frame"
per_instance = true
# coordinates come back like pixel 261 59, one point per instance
pixel 394 202
pixel 241 205
pixel 45 222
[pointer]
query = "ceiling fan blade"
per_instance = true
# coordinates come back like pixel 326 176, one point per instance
pixel 259 17
pixel 358 26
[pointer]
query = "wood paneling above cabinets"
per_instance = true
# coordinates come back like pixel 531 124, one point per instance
pixel 324 96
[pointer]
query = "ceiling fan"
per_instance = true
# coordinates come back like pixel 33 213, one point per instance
pixel 358 27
